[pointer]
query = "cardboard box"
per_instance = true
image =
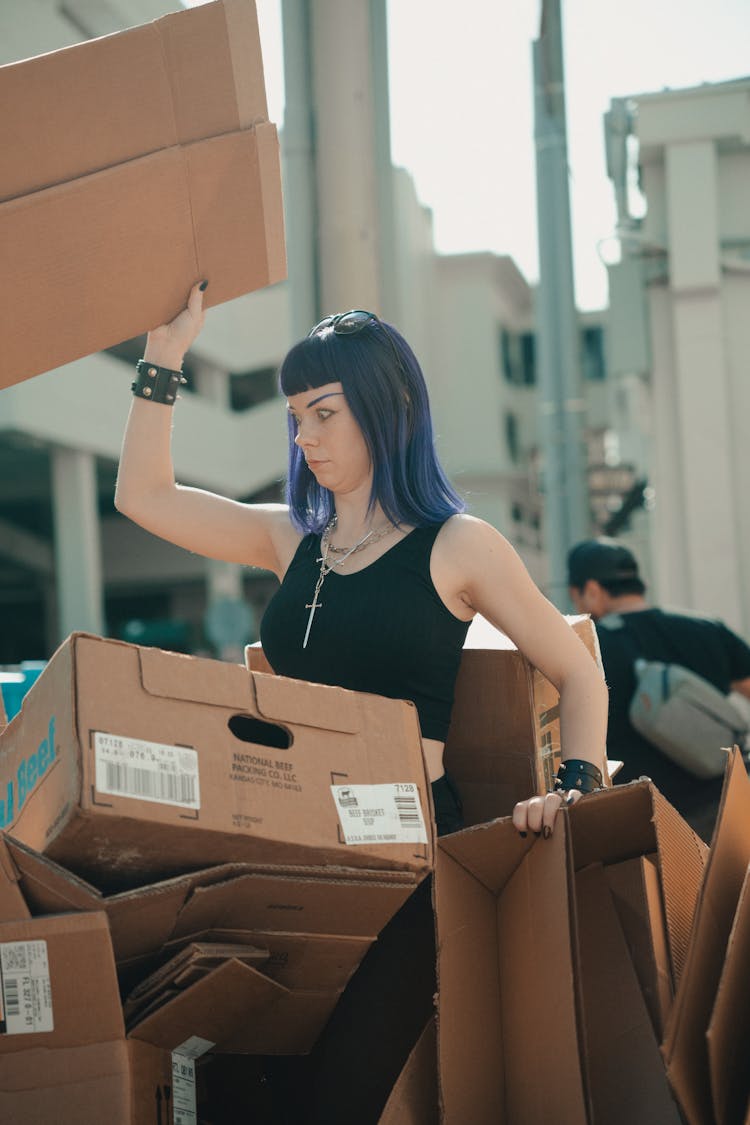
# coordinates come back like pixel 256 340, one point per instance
pixel 700 1069
pixel 63 1053
pixel 531 955
pixel 128 763
pixel 503 744
pixel 188 181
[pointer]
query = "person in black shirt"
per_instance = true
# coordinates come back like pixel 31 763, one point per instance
pixel 605 582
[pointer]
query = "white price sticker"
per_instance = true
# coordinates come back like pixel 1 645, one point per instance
pixel 25 989
pixel 380 814
pixel 185 1109
pixel 147 771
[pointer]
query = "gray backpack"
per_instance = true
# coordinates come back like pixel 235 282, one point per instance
pixel 683 715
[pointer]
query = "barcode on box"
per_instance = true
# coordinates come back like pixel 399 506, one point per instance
pixel 380 814
pixel 25 989
pixel 146 771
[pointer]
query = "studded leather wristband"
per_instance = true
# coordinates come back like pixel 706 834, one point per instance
pixel 577 773
pixel 156 384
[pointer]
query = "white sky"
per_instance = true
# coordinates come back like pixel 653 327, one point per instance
pixel 462 105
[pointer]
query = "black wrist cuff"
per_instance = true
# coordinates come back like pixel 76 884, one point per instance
pixel 156 384
pixel 577 773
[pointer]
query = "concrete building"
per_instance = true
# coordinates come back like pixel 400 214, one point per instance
pixel 357 236
pixel 680 334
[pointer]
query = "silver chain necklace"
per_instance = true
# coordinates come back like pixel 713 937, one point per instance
pixel 326 567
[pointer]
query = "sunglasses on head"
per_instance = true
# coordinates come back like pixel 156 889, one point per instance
pixel 353 321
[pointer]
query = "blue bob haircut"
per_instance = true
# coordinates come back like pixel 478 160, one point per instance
pixel 390 404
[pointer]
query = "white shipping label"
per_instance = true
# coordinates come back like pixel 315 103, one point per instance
pixel 25 992
pixel 148 771
pixel 380 814
pixel 184 1105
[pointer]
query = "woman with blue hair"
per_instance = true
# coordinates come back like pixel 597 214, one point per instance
pixel 381 569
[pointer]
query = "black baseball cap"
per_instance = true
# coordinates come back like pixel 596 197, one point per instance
pixel 604 560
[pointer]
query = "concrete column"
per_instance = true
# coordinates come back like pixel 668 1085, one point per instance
pixel 346 148
pixel 78 569
pixel 212 383
pixel 229 620
pixel 702 398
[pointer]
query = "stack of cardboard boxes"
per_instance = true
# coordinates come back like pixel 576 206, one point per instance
pixel 206 867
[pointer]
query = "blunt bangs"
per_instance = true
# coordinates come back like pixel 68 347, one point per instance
pixel 390 404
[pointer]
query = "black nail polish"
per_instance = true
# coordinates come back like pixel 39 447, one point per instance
pixel 203 286
pixel 547 832
pixel 537 833
pixel 523 834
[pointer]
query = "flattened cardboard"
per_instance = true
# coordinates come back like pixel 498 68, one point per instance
pixel 295 960
pixel 685 1048
pixel 626 1076
pixel 242 1012
pixel 191 173
pixel 636 893
pixel 495 892
pixel 729 1030
pixel 413 1100
pixel 258 803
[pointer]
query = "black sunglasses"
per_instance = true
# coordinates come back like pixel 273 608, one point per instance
pixel 353 321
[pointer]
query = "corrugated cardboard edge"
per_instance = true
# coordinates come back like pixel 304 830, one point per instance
pixel 413 1100
pixel 685 1048
pixel 729 1030
pixel 269 161
pixel 243 37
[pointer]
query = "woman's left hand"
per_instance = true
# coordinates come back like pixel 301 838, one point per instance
pixel 537 814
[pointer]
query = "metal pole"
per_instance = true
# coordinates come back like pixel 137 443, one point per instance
pixel 561 402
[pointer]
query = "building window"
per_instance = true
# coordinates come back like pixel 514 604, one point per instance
pixel 528 358
pixel 251 388
pixel 511 436
pixel 592 353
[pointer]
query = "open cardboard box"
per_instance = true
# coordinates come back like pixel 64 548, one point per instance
pixel 157 168
pixel 126 764
pixel 541 1016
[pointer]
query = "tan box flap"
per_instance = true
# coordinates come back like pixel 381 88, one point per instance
pixel 635 819
pixel 294 904
pixel 274 698
pixel 626 1075
pixel 729 1030
pixel 413 1100
pixel 12 903
pixel 685 1047
pixel 68 1085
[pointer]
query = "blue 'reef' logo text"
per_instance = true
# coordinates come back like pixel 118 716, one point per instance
pixel 29 771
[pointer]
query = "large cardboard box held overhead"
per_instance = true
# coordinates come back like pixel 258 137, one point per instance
pixel 128 763
pixel 136 165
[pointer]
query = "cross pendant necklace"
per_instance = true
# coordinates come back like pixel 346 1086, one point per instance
pixel 315 604
pixel 326 567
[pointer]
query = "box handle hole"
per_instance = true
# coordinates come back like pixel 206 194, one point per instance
pixel 260 733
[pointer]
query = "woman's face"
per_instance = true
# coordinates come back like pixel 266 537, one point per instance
pixel 330 439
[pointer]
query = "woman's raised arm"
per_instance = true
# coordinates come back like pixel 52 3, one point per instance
pixel 199 521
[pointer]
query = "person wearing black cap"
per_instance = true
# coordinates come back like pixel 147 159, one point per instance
pixel 605 581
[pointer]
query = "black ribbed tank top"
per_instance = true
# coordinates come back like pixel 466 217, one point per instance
pixel 383 629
